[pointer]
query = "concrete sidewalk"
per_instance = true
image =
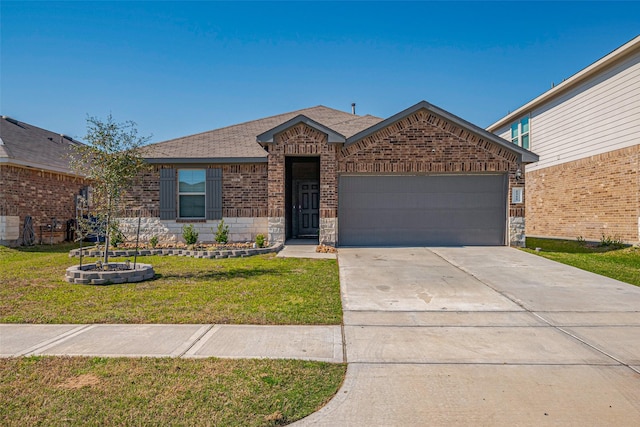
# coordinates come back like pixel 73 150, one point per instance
pixel 320 343
pixel 483 337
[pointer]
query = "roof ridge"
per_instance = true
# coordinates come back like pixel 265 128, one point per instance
pixel 297 112
pixel 20 123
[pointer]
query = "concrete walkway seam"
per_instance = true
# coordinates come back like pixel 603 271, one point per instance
pixel 193 350
pixel 43 346
pixel 193 340
pixel 51 341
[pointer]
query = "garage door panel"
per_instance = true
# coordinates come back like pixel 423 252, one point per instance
pixel 422 210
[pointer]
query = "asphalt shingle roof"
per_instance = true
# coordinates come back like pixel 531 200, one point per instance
pixel 239 141
pixel 28 145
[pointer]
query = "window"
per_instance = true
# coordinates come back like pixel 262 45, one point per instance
pixel 520 133
pixel 191 193
pixel 516 194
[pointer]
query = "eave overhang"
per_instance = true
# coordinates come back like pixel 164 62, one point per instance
pixel 203 160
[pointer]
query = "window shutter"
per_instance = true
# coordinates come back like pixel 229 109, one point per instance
pixel 167 194
pixel 214 193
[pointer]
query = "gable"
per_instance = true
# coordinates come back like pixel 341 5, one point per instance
pixel 425 142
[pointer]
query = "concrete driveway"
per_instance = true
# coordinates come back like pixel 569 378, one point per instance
pixel 483 337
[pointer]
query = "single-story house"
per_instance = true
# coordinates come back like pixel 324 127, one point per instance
pixel 420 177
pixel 586 130
pixel 35 181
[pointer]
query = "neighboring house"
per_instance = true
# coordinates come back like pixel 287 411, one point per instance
pixel 35 181
pixel 587 133
pixel 421 177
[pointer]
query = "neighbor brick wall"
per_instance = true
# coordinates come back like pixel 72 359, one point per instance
pixel 244 190
pixel 40 194
pixel 587 197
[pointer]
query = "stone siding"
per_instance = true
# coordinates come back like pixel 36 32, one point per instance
pixel 240 229
pixel 588 198
pixel 40 194
pixel 517 231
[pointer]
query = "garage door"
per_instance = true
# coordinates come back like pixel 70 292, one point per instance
pixel 422 210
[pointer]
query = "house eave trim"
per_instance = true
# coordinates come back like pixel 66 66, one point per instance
pixel 38 166
pixel 203 160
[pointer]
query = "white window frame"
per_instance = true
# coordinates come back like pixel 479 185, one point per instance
pixel 204 193
pixel 517 138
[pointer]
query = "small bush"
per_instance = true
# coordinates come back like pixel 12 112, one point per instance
pixel 189 234
pixel 222 233
pixel 611 242
pixel 116 237
pixel 581 241
pixel 260 240
pixel 153 241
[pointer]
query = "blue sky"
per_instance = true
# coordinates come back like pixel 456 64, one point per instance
pixel 178 68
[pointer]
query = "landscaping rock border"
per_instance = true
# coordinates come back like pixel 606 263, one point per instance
pixel 88 275
pixel 223 253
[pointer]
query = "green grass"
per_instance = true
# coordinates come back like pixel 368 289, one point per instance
pixel 253 290
pixel 57 391
pixel 618 263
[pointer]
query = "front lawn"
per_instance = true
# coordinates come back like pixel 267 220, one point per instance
pixel 253 290
pixel 618 263
pixel 162 392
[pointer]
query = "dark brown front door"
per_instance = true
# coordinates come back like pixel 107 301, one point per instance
pixel 308 208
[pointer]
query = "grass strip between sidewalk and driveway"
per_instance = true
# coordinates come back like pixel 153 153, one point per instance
pixel 260 290
pixel 617 263
pixel 78 391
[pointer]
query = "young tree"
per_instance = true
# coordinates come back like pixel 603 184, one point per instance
pixel 111 160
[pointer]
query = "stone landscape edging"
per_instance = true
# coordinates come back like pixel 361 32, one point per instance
pixel 88 275
pixel 211 254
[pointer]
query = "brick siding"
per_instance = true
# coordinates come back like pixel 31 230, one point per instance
pixel 40 194
pixel 425 143
pixel 587 197
pixel 302 140
pixel 244 190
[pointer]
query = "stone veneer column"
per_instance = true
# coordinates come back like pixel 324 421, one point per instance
pixel 276 229
pixel 516 231
pixel 328 231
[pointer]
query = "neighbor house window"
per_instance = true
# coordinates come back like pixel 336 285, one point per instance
pixel 520 133
pixel 191 193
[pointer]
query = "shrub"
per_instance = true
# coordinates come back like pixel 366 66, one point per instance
pixel 581 241
pixel 153 241
pixel 222 233
pixel 189 234
pixel 260 240
pixel 612 241
pixel 115 237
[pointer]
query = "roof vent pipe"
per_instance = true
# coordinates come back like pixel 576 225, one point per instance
pixel 353 108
